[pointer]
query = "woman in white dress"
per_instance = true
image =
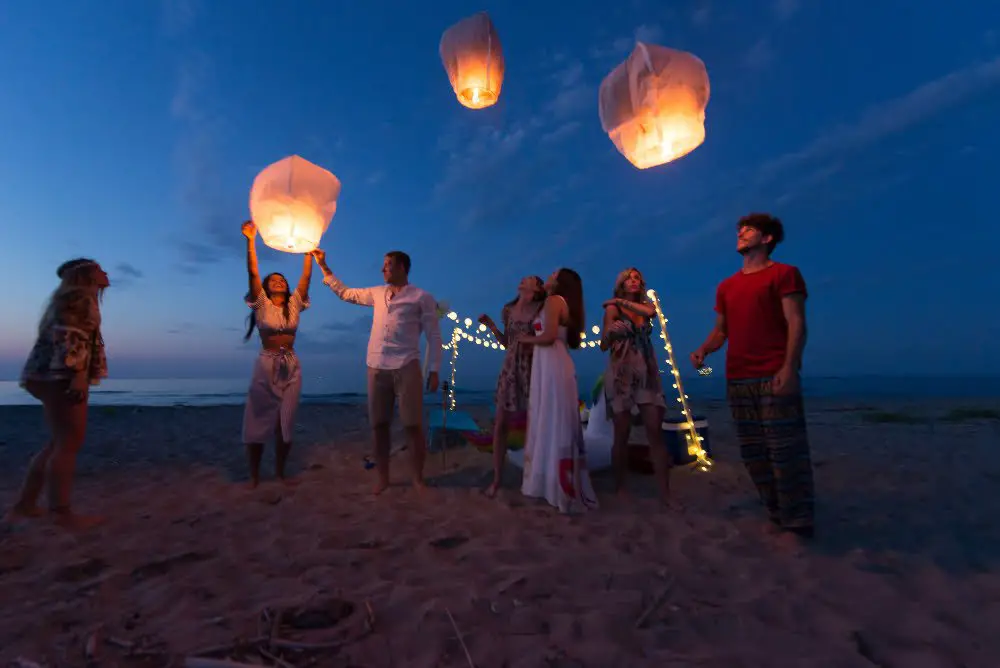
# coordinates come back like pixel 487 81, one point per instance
pixel 555 462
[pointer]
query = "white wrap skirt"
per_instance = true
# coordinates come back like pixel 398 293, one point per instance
pixel 274 393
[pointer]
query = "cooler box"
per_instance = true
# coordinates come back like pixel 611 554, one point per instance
pixel 676 438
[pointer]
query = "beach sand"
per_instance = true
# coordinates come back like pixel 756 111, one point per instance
pixel 905 570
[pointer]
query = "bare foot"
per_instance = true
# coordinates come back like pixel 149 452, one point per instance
pixel 75 522
pixel 420 486
pixel 380 487
pixel 491 491
pixel 254 483
pixel 23 512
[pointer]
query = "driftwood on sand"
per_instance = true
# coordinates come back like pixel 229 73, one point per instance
pixel 272 646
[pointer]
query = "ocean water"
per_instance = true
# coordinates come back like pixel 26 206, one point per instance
pixel 232 391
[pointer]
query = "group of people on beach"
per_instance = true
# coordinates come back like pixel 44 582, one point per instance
pixel 760 313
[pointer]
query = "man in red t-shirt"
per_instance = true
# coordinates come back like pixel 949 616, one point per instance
pixel 761 313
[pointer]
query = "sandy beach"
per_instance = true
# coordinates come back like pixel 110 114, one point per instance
pixel 905 570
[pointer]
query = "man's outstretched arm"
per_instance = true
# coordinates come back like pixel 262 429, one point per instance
pixel 360 296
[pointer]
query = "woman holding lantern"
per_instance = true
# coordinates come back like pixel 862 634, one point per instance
pixel 555 461
pixel 515 374
pixel 632 379
pixel 276 384
pixel 67 358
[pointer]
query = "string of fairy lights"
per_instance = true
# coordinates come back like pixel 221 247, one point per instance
pixel 463 331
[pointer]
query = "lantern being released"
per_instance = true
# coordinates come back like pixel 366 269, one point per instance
pixel 473 59
pixel 292 202
pixel 653 105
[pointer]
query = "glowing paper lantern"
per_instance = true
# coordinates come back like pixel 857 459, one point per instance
pixel 473 59
pixel 653 105
pixel 292 202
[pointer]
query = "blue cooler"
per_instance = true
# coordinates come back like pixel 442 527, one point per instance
pixel 676 438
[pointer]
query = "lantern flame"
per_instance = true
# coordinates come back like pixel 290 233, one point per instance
pixel 653 105
pixel 473 59
pixel 292 202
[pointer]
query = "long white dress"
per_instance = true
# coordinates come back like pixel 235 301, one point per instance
pixel 555 460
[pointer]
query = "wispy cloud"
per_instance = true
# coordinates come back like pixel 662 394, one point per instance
pixel 650 33
pixel 335 336
pixel 573 93
pixel 125 274
pixel 891 117
pixel 701 15
pixel 178 16
pixel 784 9
pixel 760 55
pixel 562 132
pixel 126 269
pixel 196 154
pixel 784 177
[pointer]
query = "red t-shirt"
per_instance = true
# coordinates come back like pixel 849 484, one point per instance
pixel 755 322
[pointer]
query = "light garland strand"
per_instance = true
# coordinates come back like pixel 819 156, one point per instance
pixel 454 358
pixel 483 337
pixel 692 437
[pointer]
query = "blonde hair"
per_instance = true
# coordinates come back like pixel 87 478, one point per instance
pixel 619 291
pixel 74 276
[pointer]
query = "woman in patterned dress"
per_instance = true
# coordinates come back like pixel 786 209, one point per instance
pixel 632 379
pixel 515 374
pixel 67 358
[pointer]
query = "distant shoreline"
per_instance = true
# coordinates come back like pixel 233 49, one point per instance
pixel 702 391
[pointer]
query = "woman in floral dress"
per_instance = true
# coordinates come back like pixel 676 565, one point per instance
pixel 515 375
pixel 67 358
pixel 632 379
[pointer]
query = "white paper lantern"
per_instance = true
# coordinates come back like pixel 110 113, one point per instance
pixel 473 59
pixel 653 105
pixel 292 202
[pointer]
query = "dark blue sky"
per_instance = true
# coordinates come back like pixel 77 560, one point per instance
pixel 133 130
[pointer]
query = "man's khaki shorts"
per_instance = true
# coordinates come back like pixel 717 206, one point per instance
pixel 385 385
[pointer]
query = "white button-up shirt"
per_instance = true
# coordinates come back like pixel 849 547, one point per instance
pixel 399 320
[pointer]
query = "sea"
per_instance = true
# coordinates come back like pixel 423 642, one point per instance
pixel 232 391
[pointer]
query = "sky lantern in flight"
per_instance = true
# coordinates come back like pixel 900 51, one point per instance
pixel 473 59
pixel 653 105
pixel 292 202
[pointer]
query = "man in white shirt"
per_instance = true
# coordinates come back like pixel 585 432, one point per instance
pixel 402 312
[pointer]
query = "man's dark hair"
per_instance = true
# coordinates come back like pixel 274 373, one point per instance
pixel 402 258
pixel 767 225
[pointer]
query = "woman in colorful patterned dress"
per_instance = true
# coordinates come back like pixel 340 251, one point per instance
pixel 555 460
pixel 276 384
pixel 515 374
pixel 632 379
pixel 67 358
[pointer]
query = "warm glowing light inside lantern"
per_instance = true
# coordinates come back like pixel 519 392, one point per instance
pixel 473 59
pixel 477 97
pixel 665 131
pixel 294 226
